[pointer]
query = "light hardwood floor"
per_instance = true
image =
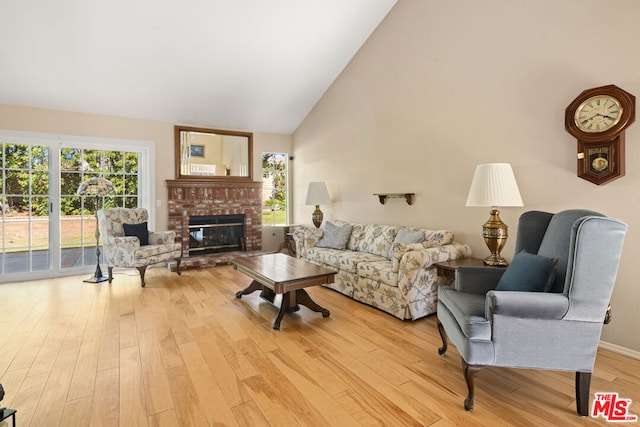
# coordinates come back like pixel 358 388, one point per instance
pixel 185 352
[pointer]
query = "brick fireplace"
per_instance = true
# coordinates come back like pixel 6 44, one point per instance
pixel 189 198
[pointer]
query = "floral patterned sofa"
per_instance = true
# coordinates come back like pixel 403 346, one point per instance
pixel 385 266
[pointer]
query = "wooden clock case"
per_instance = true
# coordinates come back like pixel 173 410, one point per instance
pixel 601 154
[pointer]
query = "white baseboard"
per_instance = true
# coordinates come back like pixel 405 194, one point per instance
pixel 620 350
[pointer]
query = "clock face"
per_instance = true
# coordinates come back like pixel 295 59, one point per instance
pixel 598 113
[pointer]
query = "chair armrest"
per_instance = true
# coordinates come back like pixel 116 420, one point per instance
pixel 412 256
pixel 477 280
pixel 532 305
pixel 121 244
pixel 306 237
pixel 298 234
pixel 162 237
pixel 123 240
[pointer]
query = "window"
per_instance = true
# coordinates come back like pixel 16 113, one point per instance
pixel 274 188
pixel 46 230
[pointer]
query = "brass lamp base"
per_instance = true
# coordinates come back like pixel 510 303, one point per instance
pixel 495 236
pixel 317 217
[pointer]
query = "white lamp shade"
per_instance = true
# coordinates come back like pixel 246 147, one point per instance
pixel 494 185
pixel 317 194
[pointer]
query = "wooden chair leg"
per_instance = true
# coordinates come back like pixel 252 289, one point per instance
pixel 110 272
pixel 178 261
pixel 442 350
pixel 142 271
pixel 469 372
pixel 583 384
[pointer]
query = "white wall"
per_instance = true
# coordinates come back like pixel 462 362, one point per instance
pixel 442 86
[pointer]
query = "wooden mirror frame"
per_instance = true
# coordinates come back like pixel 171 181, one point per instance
pixel 226 178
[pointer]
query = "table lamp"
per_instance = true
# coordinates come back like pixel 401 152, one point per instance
pixel 494 185
pixel 317 195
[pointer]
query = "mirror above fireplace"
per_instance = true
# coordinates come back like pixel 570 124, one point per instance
pixel 213 154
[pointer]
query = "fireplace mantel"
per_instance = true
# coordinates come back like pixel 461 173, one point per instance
pixel 194 197
pixel 196 183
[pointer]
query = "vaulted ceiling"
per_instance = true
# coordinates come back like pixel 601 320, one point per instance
pixel 258 65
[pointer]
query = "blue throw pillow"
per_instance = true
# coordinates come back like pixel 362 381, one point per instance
pixel 407 236
pixel 137 230
pixel 335 237
pixel 528 273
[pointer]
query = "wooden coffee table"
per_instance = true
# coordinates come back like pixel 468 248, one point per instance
pixel 281 274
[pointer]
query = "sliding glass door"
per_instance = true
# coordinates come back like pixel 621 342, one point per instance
pixel 46 229
pixel 25 227
pixel 77 214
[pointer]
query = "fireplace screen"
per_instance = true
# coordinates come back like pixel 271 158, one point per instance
pixel 216 233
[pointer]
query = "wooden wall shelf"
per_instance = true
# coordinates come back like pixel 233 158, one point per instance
pixel 384 196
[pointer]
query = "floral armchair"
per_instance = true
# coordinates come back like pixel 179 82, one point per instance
pixel 128 243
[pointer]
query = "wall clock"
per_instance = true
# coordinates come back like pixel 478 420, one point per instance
pixel 598 118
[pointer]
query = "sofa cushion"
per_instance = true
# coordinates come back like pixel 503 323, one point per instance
pixel 407 236
pixel 378 239
pixel 357 234
pixel 397 252
pixel 324 256
pixel 305 238
pixel 335 237
pixel 378 270
pixel 433 238
pixel 528 273
pixel 137 230
pixel 341 259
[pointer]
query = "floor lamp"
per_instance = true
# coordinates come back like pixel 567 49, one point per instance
pixel 98 187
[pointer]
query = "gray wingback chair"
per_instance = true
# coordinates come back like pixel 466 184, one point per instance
pixel 557 330
pixel 130 251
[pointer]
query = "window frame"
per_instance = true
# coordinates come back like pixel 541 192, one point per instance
pixel 287 187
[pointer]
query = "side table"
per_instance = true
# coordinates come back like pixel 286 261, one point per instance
pixel 288 241
pixel 447 269
pixel 6 413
